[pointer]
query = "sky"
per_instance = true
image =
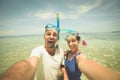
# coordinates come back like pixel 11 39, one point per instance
pixel 28 17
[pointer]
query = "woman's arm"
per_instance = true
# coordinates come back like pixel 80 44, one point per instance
pixel 95 71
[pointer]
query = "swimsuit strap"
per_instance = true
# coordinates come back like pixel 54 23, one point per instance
pixel 77 53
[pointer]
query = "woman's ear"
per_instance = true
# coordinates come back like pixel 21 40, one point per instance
pixel 79 42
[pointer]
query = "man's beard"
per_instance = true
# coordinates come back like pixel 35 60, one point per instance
pixel 51 46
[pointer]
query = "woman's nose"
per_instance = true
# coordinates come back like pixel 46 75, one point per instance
pixel 70 43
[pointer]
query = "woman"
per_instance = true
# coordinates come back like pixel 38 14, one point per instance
pixel 73 40
pixel 76 63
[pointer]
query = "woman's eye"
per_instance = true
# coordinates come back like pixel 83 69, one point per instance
pixel 73 40
pixel 68 42
pixel 54 34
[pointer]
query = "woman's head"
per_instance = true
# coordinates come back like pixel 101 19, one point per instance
pixel 73 40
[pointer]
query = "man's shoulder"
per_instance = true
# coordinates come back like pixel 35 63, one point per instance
pixel 37 51
pixel 39 47
pixel 60 51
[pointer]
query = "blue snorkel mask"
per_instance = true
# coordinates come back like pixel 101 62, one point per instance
pixel 52 27
pixel 69 34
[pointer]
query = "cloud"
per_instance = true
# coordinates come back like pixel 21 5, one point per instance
pixel 43 14
pixel 87 7
pixel 78 10
pixel 71 12
pixel 107 8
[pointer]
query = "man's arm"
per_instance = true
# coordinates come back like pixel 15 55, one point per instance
pixel 22 70
pixel 64 72
pixel 95 71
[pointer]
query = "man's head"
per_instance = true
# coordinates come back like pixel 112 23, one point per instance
pixel 51 35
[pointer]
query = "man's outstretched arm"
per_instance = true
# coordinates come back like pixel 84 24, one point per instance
pixel 22 70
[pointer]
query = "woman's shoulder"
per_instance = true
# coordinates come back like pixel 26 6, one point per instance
pixel 81 55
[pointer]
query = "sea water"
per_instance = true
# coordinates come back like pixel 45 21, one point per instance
pixel 101 47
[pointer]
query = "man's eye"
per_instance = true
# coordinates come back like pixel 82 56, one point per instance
pixel 54 34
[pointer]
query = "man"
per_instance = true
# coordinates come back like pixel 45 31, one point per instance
pixel 46 61
pixel 51 58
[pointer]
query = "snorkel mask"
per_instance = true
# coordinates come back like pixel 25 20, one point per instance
pixel 77 36
pixel 51 26
pixel 72 34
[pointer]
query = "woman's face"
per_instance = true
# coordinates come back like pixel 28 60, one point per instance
pixel 73 44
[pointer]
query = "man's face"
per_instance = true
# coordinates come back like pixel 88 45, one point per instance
pixel 51 36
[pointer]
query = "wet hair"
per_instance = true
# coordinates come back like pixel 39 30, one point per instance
pixel 78 38
pixel 75 34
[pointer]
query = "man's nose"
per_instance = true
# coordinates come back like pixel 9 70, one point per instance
pixel 51 36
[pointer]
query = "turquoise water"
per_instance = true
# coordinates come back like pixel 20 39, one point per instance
pixel 101 47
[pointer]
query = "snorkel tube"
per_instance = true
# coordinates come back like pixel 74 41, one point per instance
pixel 58 24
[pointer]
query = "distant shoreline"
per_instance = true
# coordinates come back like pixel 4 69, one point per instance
pixel 19 35
pixel 115 31
pixel 61 34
